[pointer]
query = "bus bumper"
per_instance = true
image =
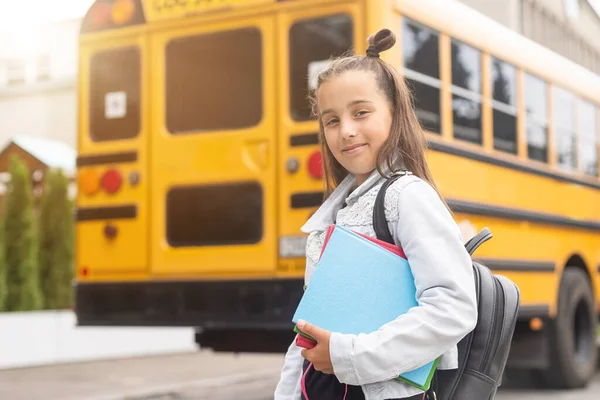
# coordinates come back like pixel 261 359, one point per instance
pixel 529 347
pixel 225 305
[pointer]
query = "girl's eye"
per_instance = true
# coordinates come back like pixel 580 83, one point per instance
pixel 331 121
pixel 361 113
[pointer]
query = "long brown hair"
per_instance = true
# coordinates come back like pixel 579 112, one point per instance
pixel 406 144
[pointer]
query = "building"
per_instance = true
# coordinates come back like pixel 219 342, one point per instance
pixel 38 99
pixel 38 75
pixel 568 27
pixel 39 155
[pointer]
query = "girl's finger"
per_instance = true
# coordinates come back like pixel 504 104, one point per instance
pixel 304 353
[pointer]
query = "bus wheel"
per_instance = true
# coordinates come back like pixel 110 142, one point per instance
pixel 573 351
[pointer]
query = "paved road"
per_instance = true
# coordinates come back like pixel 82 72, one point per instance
pixel 589 393
pixel 263 389
pixel 197 376
pixel 137 377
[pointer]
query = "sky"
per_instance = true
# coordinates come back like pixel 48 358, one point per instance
pixel 13 13
pixel 23 14
pixel 17 15
pixel 22 23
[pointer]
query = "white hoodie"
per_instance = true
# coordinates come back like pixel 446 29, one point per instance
pixel 447 311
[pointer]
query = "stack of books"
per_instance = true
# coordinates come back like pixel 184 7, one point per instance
pixel 360 284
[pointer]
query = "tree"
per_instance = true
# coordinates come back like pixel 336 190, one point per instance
pixel 3 286
pixel 56 242
pixel 22 275
pixel 461 70
pixel 502 86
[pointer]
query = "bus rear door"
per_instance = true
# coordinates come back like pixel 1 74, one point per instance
pixel 213 149
pixel 310 37
pixel 112 201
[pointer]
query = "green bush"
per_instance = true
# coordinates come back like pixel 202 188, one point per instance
pixel 22 274
pixel 56 242
pixel 3 286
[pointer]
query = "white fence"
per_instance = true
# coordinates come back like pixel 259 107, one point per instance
pixel 48 337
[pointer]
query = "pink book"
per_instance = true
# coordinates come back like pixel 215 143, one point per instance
pixel 388 246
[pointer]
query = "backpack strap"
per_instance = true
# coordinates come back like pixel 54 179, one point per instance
pixel 477 240
pixel 382 230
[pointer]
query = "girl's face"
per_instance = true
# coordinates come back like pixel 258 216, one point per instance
pixel 356 118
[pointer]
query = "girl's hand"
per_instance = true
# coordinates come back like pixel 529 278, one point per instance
pixel 318 355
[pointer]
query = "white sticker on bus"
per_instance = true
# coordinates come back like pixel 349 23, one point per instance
pixel 314 68
pixel 115 105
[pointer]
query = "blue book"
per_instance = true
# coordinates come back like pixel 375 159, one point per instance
pixel 359 285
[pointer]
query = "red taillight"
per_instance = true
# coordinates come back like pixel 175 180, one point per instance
pixel 101 14
pixel 111 181
pixel 111 14
pixel 315 165
pixel 84 272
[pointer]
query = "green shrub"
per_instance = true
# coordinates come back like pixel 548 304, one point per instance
pixel 56 242
pixel 20 259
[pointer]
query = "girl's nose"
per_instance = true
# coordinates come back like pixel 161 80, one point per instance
pixel 348 130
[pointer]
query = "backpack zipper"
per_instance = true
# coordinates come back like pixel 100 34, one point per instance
pixel 470 335
pixel 496 325
pixel 501 317
pixel 488 345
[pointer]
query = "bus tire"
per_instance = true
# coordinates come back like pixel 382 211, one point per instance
pixel 573 350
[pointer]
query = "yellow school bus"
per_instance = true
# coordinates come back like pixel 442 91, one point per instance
pixel 198 162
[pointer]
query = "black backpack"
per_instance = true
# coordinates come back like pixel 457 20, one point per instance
pixel 482 353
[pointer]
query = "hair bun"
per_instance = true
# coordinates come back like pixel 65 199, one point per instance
pixel 383 40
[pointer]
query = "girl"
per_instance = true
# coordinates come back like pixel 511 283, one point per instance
pixel 368 129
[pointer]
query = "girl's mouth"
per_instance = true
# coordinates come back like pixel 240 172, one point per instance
pixel 354 149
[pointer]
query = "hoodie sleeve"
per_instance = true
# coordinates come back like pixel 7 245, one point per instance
pixel 447 308
pixel 289 385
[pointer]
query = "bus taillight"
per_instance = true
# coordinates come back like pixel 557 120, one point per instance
pixel 315 165
pixel 89 182
pixel 122 11
pixel 110 14
pixel 100 14
pixel 111 181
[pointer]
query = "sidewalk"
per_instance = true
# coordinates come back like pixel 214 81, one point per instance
pixel 137 377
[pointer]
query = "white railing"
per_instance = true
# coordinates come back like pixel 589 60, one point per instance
pixel 49 337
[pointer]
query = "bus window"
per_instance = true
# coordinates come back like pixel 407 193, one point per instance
pixel 588 141
pixel 563 111
pixel 115 77
pixel 422 70
pixel 504 101
pixel 537 118
pixel 312 43
pixel 215 215
pixel 214 81
pixel 466 92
